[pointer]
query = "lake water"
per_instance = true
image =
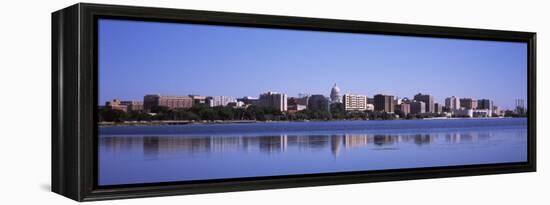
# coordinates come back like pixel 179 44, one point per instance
pixel 148 154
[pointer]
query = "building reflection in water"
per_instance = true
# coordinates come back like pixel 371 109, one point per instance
pixel 468 137
pixel 154 146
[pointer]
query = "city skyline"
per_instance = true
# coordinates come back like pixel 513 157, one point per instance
pixel 183 59
pixel 328 97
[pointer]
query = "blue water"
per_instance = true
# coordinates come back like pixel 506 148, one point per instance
pixel 147 154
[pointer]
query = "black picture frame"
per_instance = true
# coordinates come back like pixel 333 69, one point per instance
pixel 74 97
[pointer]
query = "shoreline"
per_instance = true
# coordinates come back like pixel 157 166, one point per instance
pixel 185 122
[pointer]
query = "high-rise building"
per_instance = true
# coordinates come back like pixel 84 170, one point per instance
pixel 418 107
pixel 318 102
pixel 216 101
pixel 452 103
pixel 496 111
pixel 150 101
pixel 438 108
pixel 175 102
pixel 171 102
pixel 484 104
pixel 274 100
pixel 404 107
pixel 133 105
pixel 116 104
pixel 335 94
pixel 520 106
pixel 384 103
pixel 355 102
pixel 427 99
pixel 520 103
pixel 468 103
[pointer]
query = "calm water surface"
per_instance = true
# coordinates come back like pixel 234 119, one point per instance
pixel 145 154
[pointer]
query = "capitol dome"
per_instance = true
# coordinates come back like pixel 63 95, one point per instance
pixel 335 94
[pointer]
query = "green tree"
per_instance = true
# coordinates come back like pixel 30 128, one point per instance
pixel 160 109
pixel 208 114
pixel 225 113
pixel 111 115
pixel 338 111
pixel 138 116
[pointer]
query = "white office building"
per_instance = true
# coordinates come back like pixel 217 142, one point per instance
pixel 275 100
pixel 355 102
pixel 215 101
pixel 452 103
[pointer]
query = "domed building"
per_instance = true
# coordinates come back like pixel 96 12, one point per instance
pixel 335 94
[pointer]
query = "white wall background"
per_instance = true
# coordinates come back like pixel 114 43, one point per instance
pixel 25 95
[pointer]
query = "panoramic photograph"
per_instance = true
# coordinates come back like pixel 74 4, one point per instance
pixel 181 102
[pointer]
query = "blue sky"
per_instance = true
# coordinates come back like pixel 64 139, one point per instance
pixel 138 58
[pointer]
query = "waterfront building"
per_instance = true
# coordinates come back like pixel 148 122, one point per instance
pixel 216 101
pixel 496 112
pixel 418 107
pixel 384 103
pixel 296 104
pixel 132 105
pixel 427 99
pixel 404 107
pixel 520 107
pixel 335 94
pixel 520 103
pixel 462 112
pixel 318 102
pixel 176 102
pixel 198 99
pixel 481 113
pixel 171 102
pixel 485 104
pixel 438 108
pixel 274 100
pixel 150 101
pixel 355 102
pixel 452 103
pixel 468 103
pixel 115 104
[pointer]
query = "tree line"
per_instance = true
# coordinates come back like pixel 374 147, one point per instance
pixel 201 112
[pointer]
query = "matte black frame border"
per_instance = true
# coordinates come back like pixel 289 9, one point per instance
pixel 74 99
